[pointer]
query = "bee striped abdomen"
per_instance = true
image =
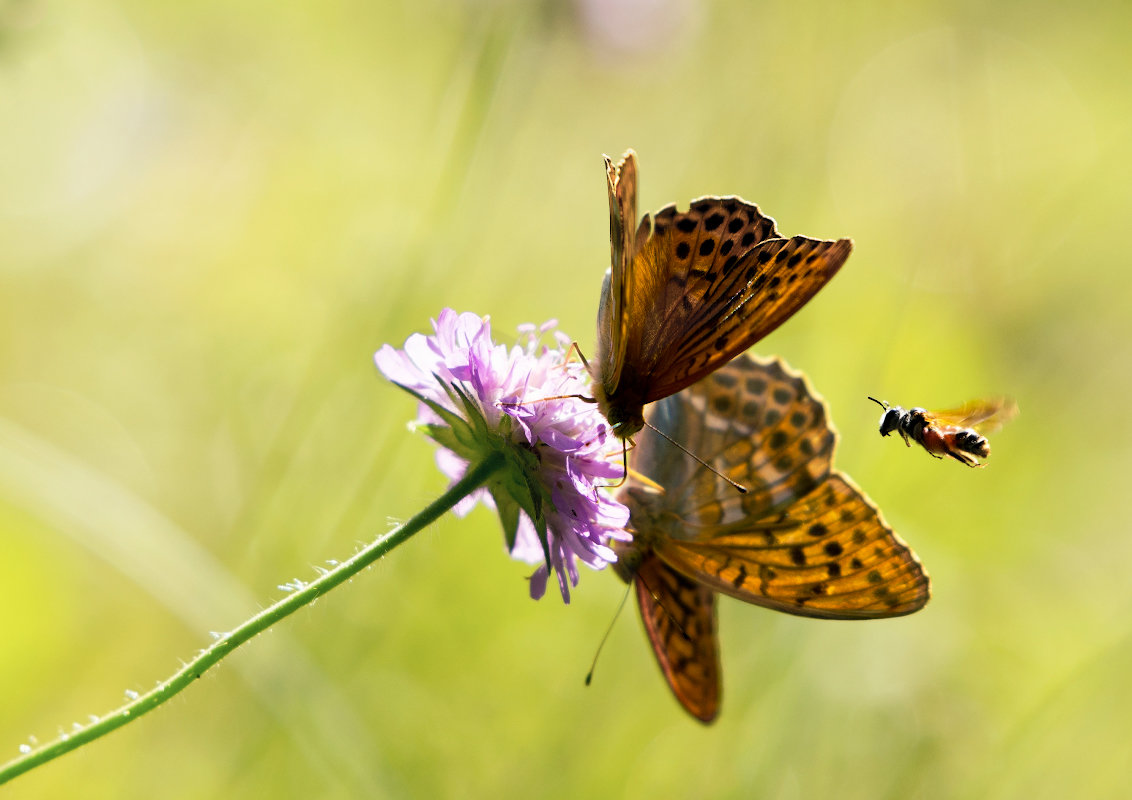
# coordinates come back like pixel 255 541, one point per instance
pixel 970 442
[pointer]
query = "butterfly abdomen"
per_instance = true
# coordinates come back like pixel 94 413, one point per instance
pixel 629 558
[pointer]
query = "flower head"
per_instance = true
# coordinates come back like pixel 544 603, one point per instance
pixel 478 397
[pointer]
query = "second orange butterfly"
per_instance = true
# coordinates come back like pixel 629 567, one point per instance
pixel 804 540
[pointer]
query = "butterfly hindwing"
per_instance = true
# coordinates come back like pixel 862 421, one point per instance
pixel 679 619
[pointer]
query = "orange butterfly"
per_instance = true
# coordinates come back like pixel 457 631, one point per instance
pixel 804 540
pixel 957 432
pixel 684 297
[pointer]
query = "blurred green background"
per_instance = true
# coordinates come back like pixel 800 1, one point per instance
pixel 213 213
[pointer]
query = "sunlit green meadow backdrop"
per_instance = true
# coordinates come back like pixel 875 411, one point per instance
pixel 212 213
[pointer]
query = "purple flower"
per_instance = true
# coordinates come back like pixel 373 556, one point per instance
pixel 477 398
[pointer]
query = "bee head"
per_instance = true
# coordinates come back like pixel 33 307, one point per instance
pixel 890 419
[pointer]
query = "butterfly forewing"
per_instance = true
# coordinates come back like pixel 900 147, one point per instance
pixel 804 539
pixel 761 290
pixel 700 243
pixel 679 618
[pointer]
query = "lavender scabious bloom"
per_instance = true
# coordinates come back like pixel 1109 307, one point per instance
pixel 478 397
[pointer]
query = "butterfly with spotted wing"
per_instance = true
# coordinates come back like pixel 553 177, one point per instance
pixel 804 540
pixel 688 291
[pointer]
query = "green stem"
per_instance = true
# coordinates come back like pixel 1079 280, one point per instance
pixel 472 480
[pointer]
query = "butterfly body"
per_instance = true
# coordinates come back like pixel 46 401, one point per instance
pixel 803 540
pixel 688 291
pixel 956 433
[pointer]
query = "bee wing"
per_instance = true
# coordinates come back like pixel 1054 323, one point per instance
pixel 985 416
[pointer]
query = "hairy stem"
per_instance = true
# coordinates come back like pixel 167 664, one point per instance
pixel 225 644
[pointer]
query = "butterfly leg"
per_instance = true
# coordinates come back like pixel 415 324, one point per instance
pixel 625 445
pixel 624 463
pixel 575 349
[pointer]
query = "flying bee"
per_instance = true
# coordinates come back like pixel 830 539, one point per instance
pixel 957 432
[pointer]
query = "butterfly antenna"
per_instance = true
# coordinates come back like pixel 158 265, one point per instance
pixel 742 489
pixel 880 403
pixel 609 630
pixel 582 397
